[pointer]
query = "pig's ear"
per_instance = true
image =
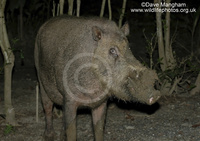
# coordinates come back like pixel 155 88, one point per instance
pixel 96 33
pixel 125 29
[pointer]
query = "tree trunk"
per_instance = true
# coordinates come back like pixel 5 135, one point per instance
pixel 78 8
pixel 122 14
pixel 54 9
pixel 70 10
pixel 58 9
pixel 8 67
pixel 161 50
pixel 110 10
pixel 171 62
pixel 102 8
pixel 61 6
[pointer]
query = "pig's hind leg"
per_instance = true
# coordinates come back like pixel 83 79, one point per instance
pixel 48 107
pixel 70 109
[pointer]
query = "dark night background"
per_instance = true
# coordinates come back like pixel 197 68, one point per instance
pixel 36 12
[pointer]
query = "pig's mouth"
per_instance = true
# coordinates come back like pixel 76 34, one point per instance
pixel 145 93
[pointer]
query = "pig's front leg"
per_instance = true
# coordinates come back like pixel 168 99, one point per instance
pixel 70 110
pixel 98 115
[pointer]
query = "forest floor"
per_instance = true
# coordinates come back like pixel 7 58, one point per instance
pixel 175 118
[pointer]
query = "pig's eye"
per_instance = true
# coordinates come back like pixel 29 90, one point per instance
pixel 113 52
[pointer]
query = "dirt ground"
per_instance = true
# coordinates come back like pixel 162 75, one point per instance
pixel 175 118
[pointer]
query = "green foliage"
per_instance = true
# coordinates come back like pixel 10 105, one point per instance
pixel 150 45
pixel 185 70
pixel 9 129
pixel 181 74
pixel 185 67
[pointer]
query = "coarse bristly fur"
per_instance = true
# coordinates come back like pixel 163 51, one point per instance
pixel 82 62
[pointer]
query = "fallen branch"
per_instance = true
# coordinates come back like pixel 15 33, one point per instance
pixel 176 81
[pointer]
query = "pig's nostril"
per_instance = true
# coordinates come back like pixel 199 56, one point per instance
pixel 157 85
pixel 151 100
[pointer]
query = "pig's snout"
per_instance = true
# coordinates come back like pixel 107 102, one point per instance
pixel 156 95
pixel 144 88
pixel 152 100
